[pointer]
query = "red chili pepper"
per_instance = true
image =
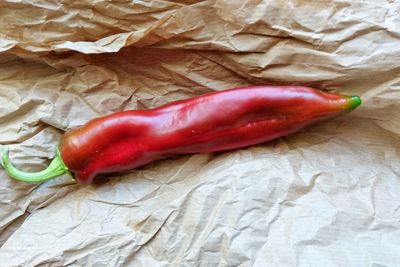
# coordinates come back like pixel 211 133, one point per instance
pixel 216 121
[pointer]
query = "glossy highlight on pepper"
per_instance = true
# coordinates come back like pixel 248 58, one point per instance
pixel 216 121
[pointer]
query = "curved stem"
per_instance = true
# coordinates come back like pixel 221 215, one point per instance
pixel 56 168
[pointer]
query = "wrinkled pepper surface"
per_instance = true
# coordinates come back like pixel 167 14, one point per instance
pixel 216 121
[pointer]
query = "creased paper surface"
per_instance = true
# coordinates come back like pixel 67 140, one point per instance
pixel 326 196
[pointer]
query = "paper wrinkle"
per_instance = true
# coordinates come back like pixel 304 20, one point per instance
pixel 326 196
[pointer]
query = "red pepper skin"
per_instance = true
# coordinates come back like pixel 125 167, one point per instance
pixel 215 121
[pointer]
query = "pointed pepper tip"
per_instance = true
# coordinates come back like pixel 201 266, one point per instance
pixel 353 102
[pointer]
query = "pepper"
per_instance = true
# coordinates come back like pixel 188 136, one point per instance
pixel 216 121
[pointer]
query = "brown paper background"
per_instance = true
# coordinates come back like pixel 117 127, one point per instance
pixel 327 196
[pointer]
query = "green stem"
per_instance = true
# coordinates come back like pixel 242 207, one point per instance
pixel 56 168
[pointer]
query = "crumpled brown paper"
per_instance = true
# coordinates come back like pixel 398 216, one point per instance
pixel 327 196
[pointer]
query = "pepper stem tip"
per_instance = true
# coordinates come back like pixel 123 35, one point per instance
pixel 56 168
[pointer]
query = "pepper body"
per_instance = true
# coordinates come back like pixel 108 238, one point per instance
pixel 216 121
